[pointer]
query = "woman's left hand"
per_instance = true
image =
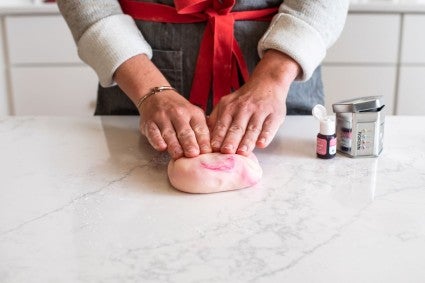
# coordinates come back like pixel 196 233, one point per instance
pixel 251 116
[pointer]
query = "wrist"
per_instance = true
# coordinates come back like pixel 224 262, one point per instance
pixel 278 67
pixel 138 76
pixel 153 91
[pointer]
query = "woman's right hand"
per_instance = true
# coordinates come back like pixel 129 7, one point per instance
pixel 172 123
pixel 167 119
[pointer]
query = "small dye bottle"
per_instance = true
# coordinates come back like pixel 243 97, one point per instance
pixel 326 139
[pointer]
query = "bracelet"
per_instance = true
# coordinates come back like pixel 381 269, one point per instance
pixel 154 90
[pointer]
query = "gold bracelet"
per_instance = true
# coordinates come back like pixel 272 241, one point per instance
pixel 154 90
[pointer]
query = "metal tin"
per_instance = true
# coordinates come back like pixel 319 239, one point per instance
pixel 360 126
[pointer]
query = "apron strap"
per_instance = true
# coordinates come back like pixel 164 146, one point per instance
pixel 220 61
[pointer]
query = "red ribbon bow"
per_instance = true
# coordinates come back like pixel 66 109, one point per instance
pixel 219 54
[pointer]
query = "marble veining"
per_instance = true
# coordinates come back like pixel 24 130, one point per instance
pixel 87 200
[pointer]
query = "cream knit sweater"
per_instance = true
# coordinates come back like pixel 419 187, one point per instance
pixel 106 37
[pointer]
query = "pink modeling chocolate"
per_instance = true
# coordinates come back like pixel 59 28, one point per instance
pixel 214 172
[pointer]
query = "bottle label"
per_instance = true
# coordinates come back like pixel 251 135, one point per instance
pixel 321 146
pixel 332 146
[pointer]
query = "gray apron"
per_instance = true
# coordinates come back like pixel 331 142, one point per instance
pixel 175 50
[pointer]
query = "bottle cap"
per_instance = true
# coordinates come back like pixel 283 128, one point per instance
pixel 327 123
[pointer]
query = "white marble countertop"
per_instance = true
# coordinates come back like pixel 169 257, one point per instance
pixel 87 200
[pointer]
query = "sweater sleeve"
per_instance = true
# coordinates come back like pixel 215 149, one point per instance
pixel 304 29
pixel 105 37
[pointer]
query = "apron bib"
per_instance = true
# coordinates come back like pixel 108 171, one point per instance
pixel 175 51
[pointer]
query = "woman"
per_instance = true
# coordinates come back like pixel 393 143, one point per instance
pixel 204 50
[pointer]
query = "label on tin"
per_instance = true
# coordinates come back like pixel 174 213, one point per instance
pixel 365 139
pixel 346 139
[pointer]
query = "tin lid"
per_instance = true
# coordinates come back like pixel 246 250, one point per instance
pixel 360 104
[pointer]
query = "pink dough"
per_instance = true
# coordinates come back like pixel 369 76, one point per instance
pixel 214 172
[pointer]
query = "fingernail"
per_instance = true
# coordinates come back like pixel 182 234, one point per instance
pixel 215 144
pixel 243 148
pixel 205 148
pixel 192 150
pixel 228 147
pixel 262 141
pixel 160 146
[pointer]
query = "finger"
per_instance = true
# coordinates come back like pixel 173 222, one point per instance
pixel 235 133
pixel 250 138
pixel 153 134
pixel 270 126
pixel 212 119
pixel 219 132
pixel 202 134
pixel 186 138
pixel 173 146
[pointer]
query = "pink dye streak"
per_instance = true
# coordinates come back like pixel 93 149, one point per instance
pixel 226 165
